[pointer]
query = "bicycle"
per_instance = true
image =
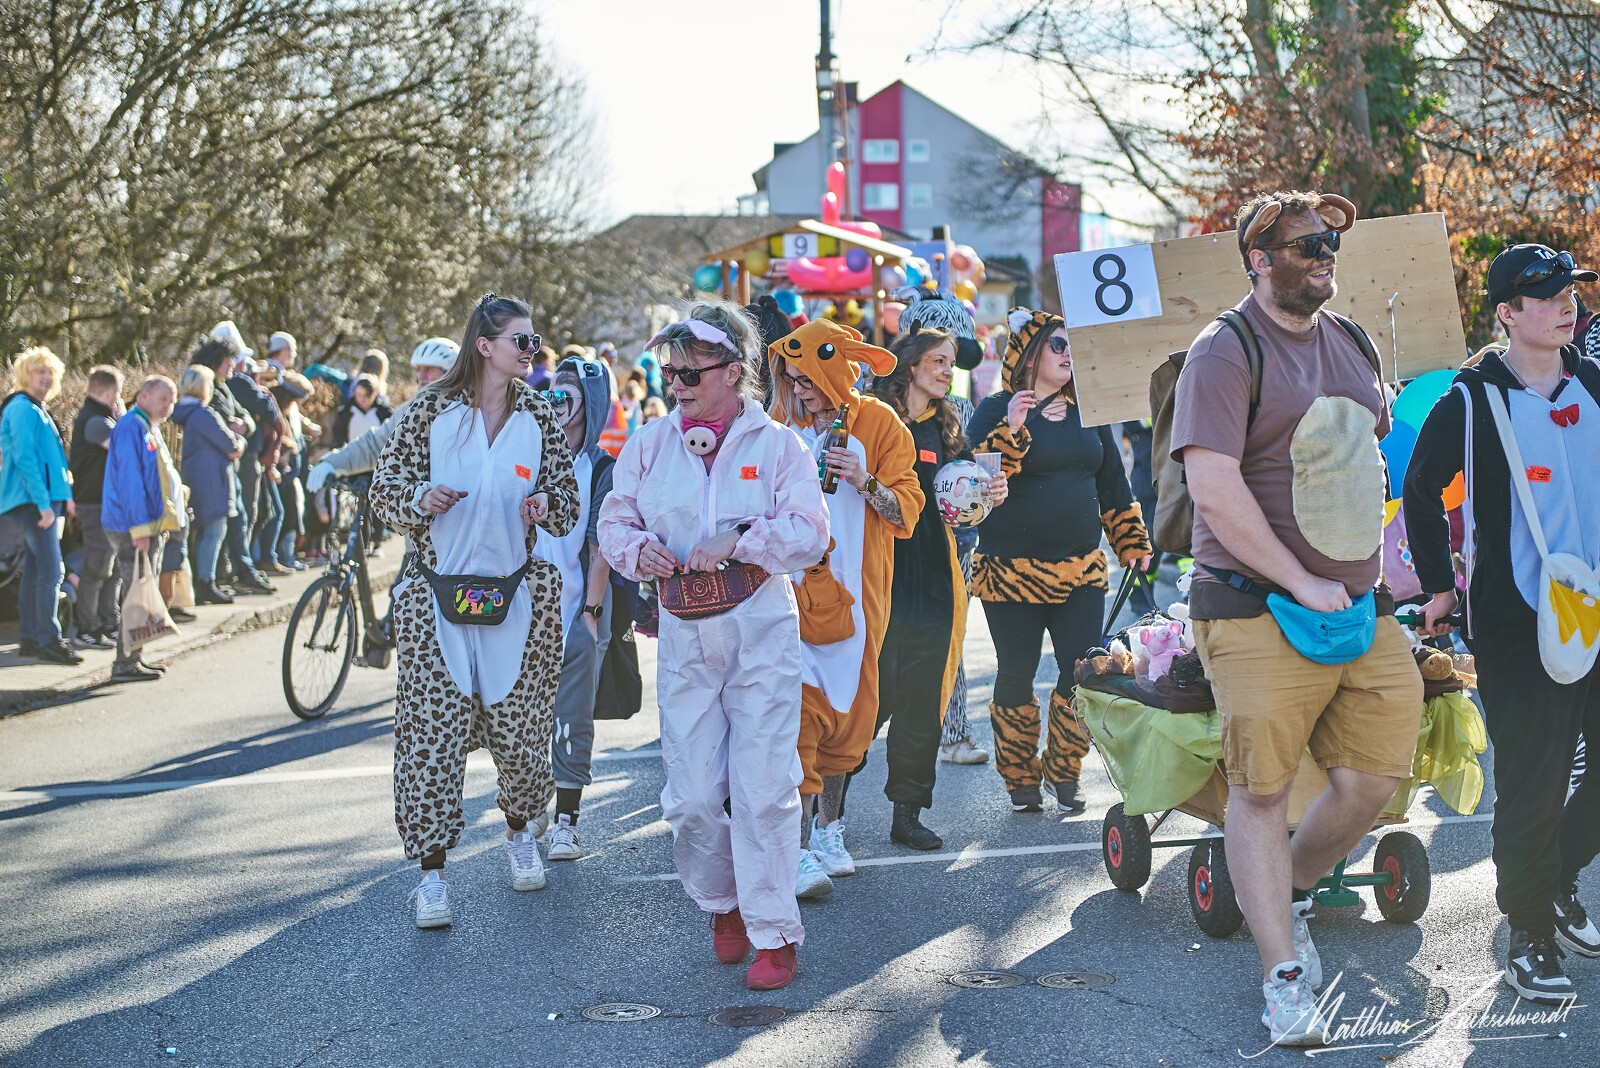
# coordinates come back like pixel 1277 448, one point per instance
pixel 320 645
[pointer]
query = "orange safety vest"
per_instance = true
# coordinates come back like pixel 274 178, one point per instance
pixel 615 435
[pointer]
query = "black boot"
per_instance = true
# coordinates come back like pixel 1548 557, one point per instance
pixel 209 593
pixel 909 831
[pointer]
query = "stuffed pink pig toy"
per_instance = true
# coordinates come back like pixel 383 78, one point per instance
pixel 1163 643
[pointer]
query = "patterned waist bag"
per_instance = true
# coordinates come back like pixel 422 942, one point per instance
pixel 473 600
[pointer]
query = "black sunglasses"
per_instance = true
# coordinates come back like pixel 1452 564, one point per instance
pixel 690 375
pixel 1311 245
pixel 1546 267
pixel 524 342
pixel 1058 345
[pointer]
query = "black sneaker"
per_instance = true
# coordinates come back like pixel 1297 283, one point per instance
pixel 209 593
pixel 180 615
pixel 135 672
pixel 1533 969
pixel 1574 929
pixel 27 648
pixel 1027 799
pixel 1066 795
pixel 58 652
pixel 908 830
pixel 253 584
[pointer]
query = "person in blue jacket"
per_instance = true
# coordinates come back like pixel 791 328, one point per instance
pixel 35 494
pixel 143 500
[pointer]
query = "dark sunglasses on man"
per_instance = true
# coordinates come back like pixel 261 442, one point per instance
pixel 1311 246
pixel 1547 266
pixel 524 342
pixel 690 375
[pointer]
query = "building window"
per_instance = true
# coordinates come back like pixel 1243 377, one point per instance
pixel 919 195
pixel 880 151
pixel 918 152
pixel 881 196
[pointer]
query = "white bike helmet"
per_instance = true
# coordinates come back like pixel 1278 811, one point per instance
pixel 435 352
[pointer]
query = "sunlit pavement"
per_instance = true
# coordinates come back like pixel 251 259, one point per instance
pixel 193 876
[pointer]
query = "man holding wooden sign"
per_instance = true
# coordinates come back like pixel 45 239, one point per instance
pixel 1278 413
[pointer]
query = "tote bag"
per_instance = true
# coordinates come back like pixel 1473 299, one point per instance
pixel 144 613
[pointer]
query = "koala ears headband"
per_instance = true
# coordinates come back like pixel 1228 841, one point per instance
pixel 1328 204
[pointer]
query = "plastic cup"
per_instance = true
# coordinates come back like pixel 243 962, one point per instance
pixel 989 461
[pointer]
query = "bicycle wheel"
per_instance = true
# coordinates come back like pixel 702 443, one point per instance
pixel 319 648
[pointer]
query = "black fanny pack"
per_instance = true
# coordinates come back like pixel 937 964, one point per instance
pixel 473 600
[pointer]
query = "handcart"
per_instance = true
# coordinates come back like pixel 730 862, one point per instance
pixel 1163 762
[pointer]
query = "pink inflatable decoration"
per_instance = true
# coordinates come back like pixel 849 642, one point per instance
pixel 833 275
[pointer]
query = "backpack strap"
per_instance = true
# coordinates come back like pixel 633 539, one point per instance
pixel 1252 355
pixel 1359 336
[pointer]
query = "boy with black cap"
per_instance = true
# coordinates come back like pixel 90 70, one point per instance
pixel 1549 396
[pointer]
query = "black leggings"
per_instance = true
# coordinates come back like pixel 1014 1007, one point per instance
pixel 1017 629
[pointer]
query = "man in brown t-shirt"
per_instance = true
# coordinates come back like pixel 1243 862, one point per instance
pixel 1291 501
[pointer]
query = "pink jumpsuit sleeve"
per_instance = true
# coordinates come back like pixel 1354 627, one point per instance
pixel 621 526
pixel 796 536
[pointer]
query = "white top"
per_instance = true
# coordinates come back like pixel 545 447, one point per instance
pixel 484 535
pixel 835 669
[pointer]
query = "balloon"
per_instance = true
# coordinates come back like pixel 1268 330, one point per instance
pixel 1396 450
pixel 853 313
pixel 964 291
pixel 891 316
pixel 960 261
pixel 891 277
pixel 789 302
pixel 970 308
pixel 979 273
pixel 1455 494
pixel 913 275
pixel 857 259
pixel 828 311
pixel 1390 510
pixel 758 261
pixel 1417 399
pixel 708 278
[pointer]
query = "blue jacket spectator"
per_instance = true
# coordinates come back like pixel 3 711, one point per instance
pixel 133 500
pixel 209 448
pixel 34 466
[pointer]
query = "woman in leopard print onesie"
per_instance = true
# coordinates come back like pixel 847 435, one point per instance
pixel 478 460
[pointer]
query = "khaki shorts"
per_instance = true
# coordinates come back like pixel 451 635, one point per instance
pixel 1274 703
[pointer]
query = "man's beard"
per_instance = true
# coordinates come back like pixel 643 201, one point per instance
pixel 1302 299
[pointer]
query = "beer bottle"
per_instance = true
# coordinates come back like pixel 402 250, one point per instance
pixel 837 438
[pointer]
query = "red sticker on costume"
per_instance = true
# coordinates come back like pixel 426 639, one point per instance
pixel 524 472
pixel 149 445
pixel 1538 474
pixel 749 473
pixel 928 456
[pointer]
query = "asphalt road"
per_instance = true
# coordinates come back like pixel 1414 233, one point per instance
pixel 192 876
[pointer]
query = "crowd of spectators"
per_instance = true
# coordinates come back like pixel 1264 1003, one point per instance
pixel 221 502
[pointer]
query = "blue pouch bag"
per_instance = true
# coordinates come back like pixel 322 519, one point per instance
pixel 1327 637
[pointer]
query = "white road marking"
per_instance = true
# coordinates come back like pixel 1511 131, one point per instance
pixel 970 854
pixel 475 762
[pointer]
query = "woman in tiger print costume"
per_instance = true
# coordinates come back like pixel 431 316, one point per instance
pixel 1039 566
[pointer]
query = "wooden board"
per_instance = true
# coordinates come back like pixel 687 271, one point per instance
pixel 1201 277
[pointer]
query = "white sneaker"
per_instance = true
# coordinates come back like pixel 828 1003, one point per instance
pixel 827 845
pixel 1292 1014
pixel 813 882
pixel 539 824
pixel 563 844
pixel 432 899
pixel 527 870
pixel 963 752
pixel 1305 949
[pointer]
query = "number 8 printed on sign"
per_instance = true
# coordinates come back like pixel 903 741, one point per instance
pixel 1108 285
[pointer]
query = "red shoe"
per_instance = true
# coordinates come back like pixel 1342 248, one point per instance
pixel 728 937
pixel 773 969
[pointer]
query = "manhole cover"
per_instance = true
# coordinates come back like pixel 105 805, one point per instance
pixel 987 980
pixel 748 1016
pixel 1075 980
pixel 621 1012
